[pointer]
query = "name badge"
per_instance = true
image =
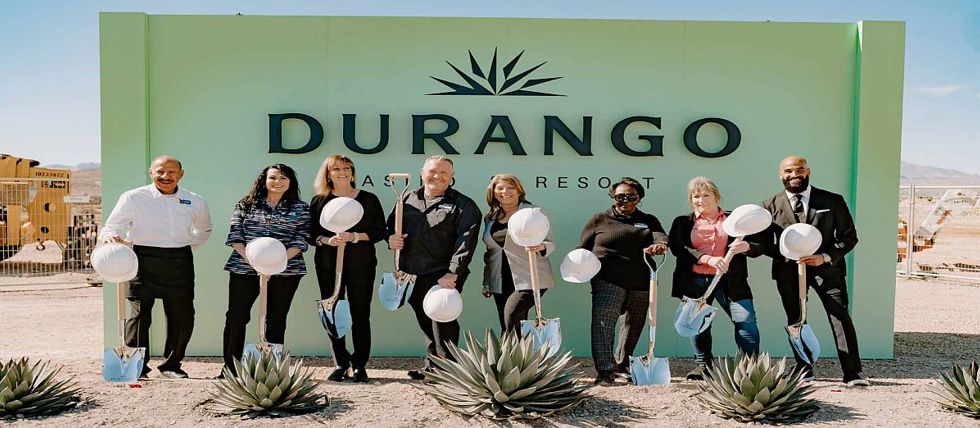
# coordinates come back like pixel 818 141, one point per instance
pixel 445 206
pixel 185 201
pixel 641 225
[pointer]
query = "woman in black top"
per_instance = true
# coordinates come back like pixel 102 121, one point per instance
pixel 620 236
pixel 336 178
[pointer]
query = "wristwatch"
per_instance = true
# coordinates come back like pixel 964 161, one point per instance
pixel 827 259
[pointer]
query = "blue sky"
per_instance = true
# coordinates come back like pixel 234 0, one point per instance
pixel 49 59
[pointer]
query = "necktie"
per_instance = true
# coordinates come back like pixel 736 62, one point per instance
pixel 798 208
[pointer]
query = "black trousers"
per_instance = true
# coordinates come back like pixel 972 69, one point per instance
pixel 243 290
pixel 357 285
pixel 832 291
pixel 609 302
pixel 437 334
pixel 166 274
pixel 516 308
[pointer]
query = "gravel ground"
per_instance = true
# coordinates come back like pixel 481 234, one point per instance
pixel 926 341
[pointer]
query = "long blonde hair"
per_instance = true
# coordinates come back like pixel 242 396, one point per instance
pixel 322 183
pixel 513 181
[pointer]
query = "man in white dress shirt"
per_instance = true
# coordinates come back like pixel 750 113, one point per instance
pixel 164 223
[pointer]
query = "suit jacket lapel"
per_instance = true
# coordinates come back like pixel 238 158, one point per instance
pixel 814 205
pixel 785 209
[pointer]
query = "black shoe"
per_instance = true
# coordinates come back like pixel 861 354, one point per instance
pixel 622 370
pixel 807 372
pixel 857 379
pixel 417 374
pixel 698 373
pixel 338 374
pixel 605 378
pixel 145 374
pixel 360 375
pixel 174 374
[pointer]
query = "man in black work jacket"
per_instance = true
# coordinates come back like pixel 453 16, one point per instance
pixel 826 270
pixel 441 227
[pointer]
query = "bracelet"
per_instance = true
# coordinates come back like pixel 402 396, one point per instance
pixel 357 237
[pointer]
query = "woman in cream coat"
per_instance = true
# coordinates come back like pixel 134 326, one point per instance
pixel 507 271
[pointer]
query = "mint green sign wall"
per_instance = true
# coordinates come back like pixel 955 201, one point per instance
pixel 202 87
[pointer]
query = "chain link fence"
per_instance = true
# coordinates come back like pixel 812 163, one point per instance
pixel 939 232
pixel 46 233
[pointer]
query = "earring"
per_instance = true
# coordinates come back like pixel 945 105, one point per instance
pixel 639 204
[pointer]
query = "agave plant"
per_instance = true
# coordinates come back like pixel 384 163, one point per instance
pixel 961 390
pixel 753 388
pixel 267 385
pixel 31 389
pixel 504 378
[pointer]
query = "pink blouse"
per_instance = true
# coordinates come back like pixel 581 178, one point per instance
pixel 708 237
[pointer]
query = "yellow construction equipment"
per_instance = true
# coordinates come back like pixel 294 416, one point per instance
pixel 35 208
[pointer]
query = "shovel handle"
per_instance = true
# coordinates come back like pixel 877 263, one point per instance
pixel 399 206
pixel 801 270
pixel 340 272
pixel 532 263
pixel 122 288
pixel 263 300
pixel 714 281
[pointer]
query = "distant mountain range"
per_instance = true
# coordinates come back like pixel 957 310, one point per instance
pixel 910 174
pixel 929 175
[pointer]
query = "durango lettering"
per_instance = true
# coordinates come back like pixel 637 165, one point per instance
pixel 439 127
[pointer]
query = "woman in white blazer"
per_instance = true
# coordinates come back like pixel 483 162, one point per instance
pixel 507 271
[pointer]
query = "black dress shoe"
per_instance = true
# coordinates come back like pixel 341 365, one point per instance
pixel 360 375
pixel 605 378
pixel 338 374
pixel 697 373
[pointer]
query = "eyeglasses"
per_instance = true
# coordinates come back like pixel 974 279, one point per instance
pixel 626 197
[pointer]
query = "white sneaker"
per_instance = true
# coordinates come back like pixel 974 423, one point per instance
pixel 859 381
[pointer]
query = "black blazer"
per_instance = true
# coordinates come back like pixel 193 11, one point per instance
pixel 827 212
pixel 735 281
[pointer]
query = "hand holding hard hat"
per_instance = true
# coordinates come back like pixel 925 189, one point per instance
pixel 266 255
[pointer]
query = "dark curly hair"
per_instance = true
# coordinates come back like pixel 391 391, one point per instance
pixel 258 192
pixel 629 182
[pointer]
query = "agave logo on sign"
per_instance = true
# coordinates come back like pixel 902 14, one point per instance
pixel 500 133
pixel 507 87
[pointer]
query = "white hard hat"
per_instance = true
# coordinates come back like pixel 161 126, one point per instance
pixel 341 214
pixel 442 304
pixel 266 255
pixel 799 240
pixel 528 227
pixel 580 265
pixel 115 262
pixel 746 220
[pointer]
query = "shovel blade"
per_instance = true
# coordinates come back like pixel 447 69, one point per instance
pixel 547 333
pixel 123 364
pixel 256 350
pixel 335 317
pixel 804 343
pixel 692 318
pixel 643 371
pixel 395 289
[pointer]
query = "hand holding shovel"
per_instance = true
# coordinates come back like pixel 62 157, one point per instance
pixel 648 370
pixel 268 257
pixel 797 241
pixel 396 287
pixel 339 215
pixel 694 316
pixel 116 262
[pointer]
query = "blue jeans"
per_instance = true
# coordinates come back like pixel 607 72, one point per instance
pixel 742 314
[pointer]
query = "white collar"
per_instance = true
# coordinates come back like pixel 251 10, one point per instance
pixel 804 195
pixel 158 194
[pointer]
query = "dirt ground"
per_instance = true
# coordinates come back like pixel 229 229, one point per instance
pixel 926 341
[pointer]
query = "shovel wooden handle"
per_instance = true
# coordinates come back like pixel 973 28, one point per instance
pixel 532 263
pixel 339 267
pixel 399 208
pixel 714 281
pixel 122 288
pixel 263 300
pixel 801 270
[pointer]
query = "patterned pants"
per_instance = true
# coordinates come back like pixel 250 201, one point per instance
pixel 609 303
